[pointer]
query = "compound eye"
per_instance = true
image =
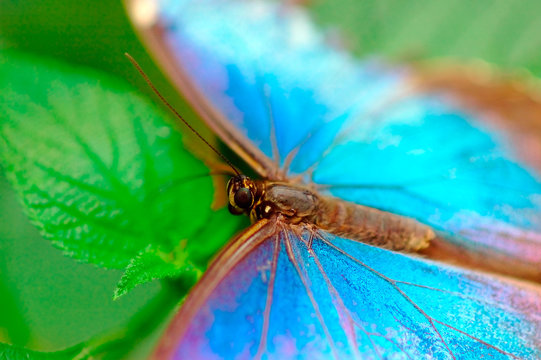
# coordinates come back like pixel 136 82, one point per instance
pixel 244 198
pixel 235 211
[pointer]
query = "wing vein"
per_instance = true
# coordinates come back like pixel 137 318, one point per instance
pixel 268 304
pixel 339 303
pixel 430 319
pixel 295 263
pixel 400 291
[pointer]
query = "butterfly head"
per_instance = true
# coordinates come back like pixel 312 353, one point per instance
pixel 242 193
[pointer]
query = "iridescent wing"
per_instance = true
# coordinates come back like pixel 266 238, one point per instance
pixel 294 108
pixel 282 291
pixel 513 102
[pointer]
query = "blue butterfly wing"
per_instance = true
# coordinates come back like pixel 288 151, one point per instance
pixel 248 62
pixel 292 106
pixel 282 291
pixel 278 93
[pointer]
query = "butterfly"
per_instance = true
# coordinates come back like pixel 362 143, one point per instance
pixel 392 218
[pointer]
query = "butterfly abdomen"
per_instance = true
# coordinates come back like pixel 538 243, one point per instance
pixel 343 218
pixel 371 226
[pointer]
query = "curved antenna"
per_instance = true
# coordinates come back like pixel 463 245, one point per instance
pixel 175 112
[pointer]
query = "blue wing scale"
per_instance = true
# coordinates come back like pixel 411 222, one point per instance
pixel 290 297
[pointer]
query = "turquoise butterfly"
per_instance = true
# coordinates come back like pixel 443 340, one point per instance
pixel 399 165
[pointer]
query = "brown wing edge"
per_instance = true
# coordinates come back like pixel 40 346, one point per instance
pixel 490 262
pixel 152 36
pixel 225 261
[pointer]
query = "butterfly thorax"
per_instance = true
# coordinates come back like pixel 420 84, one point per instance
pixel 295 204
pixel 263 199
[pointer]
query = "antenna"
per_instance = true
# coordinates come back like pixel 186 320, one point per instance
pixel 172 109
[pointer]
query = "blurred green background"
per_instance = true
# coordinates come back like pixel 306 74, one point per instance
pixel 48 301
pixel 502 32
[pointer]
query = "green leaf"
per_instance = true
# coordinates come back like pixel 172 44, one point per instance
pixel 10 352
pixel 98 168
pixel 503 32
pixel 154 263
pixel 186 260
